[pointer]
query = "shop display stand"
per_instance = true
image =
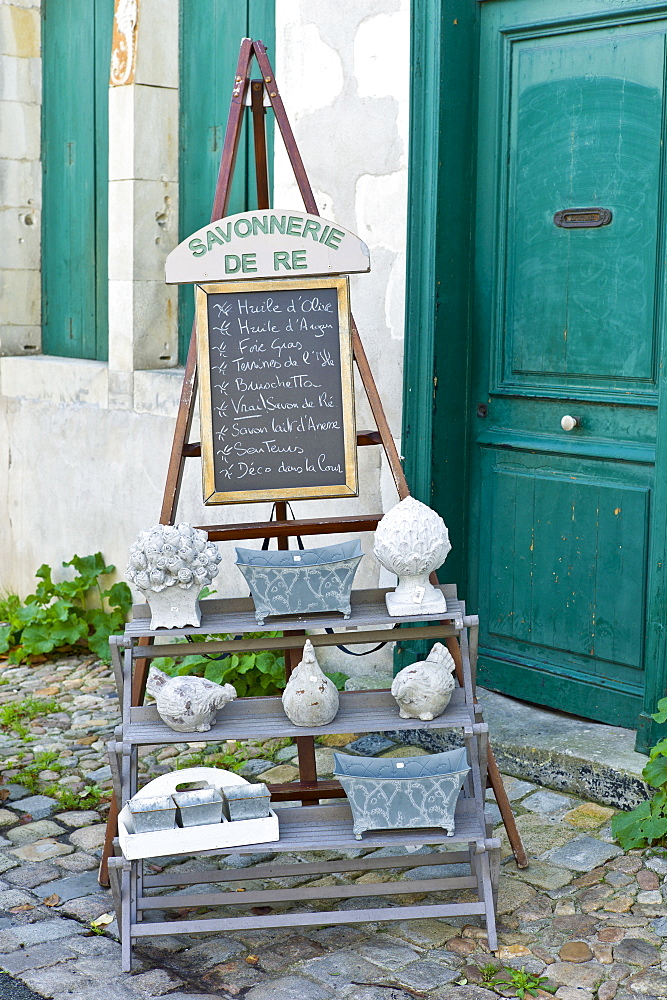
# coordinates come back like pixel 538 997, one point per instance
pixel 311 827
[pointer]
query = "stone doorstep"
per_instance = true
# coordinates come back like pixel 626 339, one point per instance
pixel 586 759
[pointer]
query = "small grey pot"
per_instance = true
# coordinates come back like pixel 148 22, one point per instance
pixel 246 801
pixel 198 807
pixel 152 814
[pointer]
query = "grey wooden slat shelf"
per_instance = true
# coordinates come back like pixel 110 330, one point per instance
pixel 254 718
pixel 327 826
pixel 237 615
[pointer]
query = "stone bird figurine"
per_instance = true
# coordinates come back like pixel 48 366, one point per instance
pixel 187 704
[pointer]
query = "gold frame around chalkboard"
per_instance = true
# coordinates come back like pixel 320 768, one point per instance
pixel 350 487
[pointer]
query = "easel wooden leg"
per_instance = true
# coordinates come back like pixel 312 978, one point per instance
pixel 495 777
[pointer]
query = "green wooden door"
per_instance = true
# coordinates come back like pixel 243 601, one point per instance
pixel 210 37
pixel 76 50
pixel 568 321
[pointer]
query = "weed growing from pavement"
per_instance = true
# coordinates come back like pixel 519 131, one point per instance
pixel 14 715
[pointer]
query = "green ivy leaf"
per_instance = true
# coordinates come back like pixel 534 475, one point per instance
pixel 661 715
pixel 338 678
pixel 119 596
pixel 627 827
pixel 655 772
pixel 6 635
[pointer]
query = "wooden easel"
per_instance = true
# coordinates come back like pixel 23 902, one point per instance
pixel 308 789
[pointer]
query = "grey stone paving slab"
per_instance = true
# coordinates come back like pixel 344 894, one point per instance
pixel 388 955
pixel 15 897
pixel 72 886
pixel 660 926
pixel 354 992
pixel 582 854
pixel 340 968
pixel 96 944
pixel 36 957
pixel 78 817
pixel 38 933
pixel 650 982
pixel 101 774
pixel 32 832
pixel 211 951
pixel 657 865
pixel 89 837
pixel 370 745
pixel 29 876
pixel 636 951
pixel 255 767
pixel 154 982
pixel 7 863
pixel 455 870
pixel 425 975
pixel 16 792
pixel 39 806
pixel 546 803
pixel 285 988
pixel 493 813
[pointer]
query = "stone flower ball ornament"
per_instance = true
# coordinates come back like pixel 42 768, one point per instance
pixel 424 689
pixel 411 541
pixel 170 564
pixel 187 704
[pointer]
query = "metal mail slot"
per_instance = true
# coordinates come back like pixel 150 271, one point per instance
pixel 582 218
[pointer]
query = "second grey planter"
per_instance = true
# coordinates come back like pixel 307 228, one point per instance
pixel 301 581
pixel 198 807
pixel 398 793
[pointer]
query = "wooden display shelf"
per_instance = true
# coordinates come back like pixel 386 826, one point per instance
pixel 262 718
pixel 236 615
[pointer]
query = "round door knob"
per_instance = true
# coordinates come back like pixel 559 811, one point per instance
pixel 568 423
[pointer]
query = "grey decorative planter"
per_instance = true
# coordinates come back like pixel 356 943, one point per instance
pixel 152 814
pixel 246 801
pixel 198 807
pixel 304 581
pixel 393 793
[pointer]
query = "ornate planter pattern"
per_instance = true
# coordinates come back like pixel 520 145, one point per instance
pixel 393 793
pixel 300 582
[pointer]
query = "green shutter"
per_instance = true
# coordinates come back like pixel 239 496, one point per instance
pixel 210 36
pixel 76 53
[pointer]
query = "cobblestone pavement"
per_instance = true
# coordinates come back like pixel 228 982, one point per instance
pixel 590 919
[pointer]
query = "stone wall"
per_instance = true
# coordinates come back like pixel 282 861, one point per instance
pixel 84 446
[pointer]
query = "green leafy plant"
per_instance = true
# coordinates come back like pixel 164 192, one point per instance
pixel 252 674
pixel 520 981
pixel 14 715
pixel 72 613
pixel 89 797
pixel 646 825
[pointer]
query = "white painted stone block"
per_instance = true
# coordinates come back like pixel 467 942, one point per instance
pixel 20 298
pixel 20 183
pixel 121 313
pixel 56 380
pixel 21 80
pixel 20 340
pixel 121 390
pixel 155 227
pixel 158 392
pixel 157 45
pixel 143 331
pixel 19 239
pixel 121 133
pixel 381 209
pixel 19 129
pixel 19 30
pixel 382 54
pixel 121 230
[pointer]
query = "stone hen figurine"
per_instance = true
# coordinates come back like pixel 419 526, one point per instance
pixel 187 704
pixel 424 689
pixel 310 698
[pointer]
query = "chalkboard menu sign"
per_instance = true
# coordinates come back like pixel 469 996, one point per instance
pixel 276 390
